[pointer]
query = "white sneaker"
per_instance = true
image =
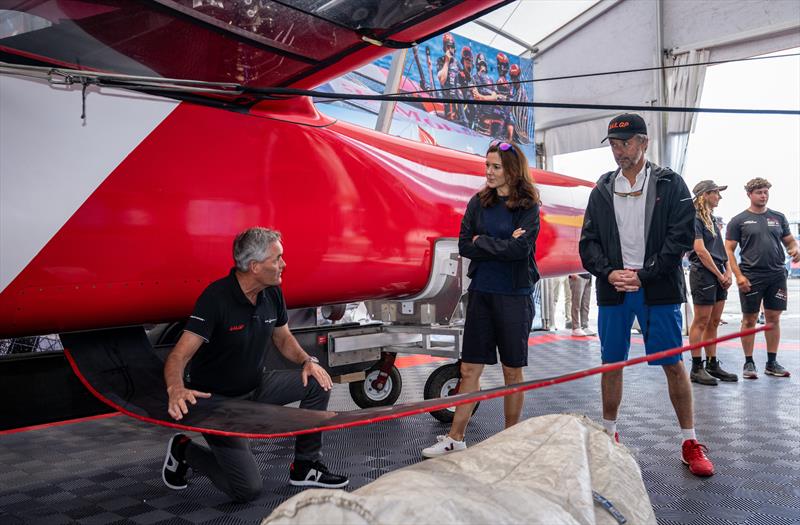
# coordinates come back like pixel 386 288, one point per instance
pixel 578 332
pixel 589 331
pixel 444 445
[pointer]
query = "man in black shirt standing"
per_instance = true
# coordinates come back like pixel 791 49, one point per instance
pixel 761 273
pixel 226 338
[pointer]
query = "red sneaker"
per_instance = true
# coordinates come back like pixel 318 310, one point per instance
pixel 693 454
pixel 616 437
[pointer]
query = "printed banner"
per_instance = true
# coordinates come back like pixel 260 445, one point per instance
pixel 448 66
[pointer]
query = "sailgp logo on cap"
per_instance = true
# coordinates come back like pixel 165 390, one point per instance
pixel 615 125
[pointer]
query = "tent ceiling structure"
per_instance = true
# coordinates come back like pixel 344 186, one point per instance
pixel 611 35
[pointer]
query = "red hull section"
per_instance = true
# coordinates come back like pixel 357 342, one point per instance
pixel 359 212
pixel 124 219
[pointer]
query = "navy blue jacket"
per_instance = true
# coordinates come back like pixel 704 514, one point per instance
pixel 520 252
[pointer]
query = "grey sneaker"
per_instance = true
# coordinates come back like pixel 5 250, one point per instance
pixel 700 376
pixel 716 370
pixel 749 371
pixel 775 369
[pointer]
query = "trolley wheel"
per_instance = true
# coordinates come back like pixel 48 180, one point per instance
pixel 366 395
pixel 442 383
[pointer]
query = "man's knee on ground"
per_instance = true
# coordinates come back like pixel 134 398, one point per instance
pixel 247 492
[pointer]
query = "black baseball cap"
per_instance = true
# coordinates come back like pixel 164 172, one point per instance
pixel 626 126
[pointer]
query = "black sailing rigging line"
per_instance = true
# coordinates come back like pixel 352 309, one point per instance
pixel 409 96
pixel 290 92
pixel 164 86
pixel 604 73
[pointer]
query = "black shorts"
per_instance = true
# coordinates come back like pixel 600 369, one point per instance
pixel 497 323
pixel 706 288
pixel 772 289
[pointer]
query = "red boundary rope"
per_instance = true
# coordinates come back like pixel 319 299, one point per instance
pixel 397 411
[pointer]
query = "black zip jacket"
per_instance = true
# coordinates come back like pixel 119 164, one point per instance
pixel 669 233
pixel 519 252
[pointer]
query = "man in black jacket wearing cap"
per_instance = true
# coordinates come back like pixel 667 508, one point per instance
pixel 637 226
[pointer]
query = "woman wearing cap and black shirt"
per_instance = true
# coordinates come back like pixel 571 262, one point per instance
pixel 498 235
pixel 709 279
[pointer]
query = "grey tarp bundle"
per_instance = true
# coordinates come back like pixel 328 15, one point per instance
pixel 543 470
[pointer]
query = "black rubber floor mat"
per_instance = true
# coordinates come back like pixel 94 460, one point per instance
pixel 108 471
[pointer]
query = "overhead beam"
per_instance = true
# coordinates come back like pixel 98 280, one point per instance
pixel 508 36
pixel 384 122
pixel 791 26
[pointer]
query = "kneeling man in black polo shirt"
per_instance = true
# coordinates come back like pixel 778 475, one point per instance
pixel 226 338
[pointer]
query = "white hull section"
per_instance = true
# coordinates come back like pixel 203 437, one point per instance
pixel 51 161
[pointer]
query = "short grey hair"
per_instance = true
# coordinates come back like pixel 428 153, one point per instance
pixel 252 245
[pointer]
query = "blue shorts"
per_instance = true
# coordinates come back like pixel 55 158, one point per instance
pixel 660 324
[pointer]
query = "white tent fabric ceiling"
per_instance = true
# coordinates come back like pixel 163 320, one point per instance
pixel 609 35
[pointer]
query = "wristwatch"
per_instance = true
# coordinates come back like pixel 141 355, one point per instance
pixel 311 359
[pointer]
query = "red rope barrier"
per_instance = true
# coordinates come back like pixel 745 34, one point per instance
pixel 340 420
pixel 472 397
pixel 610 367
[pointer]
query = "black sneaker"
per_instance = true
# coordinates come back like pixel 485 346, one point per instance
pixel 314 474
pixel 716 370
pixel 175 467
pixel 774 369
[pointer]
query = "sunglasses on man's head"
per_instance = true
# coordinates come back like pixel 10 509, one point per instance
pixel 503 146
